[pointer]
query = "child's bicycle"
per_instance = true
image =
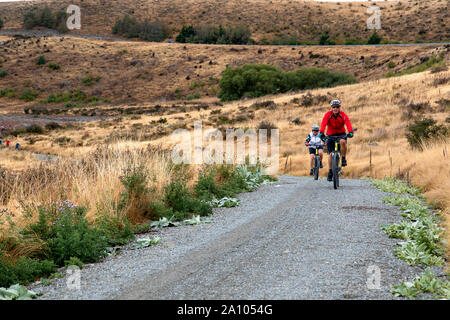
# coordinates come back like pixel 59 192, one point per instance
pixel 316 162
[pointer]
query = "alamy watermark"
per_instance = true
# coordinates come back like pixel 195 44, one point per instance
pixel 74 19
pixel 73 280
pixel 234 146
pixel 374 278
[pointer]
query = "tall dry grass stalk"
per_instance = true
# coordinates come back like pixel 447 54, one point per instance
pixel 93 181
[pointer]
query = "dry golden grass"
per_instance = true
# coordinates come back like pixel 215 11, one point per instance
pixel 138 72
pixel 93 181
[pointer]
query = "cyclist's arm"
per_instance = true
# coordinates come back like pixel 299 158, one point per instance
pixel 324 123
pixel 348 124
pixel 308 139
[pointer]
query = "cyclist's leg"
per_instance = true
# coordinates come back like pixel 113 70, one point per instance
pixel 311 161
pixel 321 154
pixel 343 143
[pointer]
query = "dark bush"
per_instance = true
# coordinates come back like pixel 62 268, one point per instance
pixel 186 33
pixel 3 73
pixel 267 125
pixel 179 198
pixel 54 66
pixel 28 94
pixel 325 40
pixel 1 23
pixel 254 80
pixel 40 61
pixel 117 229
pixel 24 270
pixel 210 34
pixel 271 105
pixel 424 130
pixel 374 38
pixel 131 28
pixel 53 126
pixel 35 128
pixel 45 17
pixel 67 233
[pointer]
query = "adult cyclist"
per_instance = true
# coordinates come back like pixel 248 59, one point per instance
pixel 336 121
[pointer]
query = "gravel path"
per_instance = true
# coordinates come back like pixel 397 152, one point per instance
pixel 295 239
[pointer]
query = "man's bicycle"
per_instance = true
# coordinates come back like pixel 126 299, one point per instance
pixel 336 158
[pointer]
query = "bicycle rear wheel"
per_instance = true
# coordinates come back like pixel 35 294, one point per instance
pixel 316 168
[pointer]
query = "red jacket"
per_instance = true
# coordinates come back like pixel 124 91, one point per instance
pixel 335 124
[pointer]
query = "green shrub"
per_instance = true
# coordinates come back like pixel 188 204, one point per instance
pixel 3 73
pixel 179 198
pixel 285 40
pixel 210 34
pixel 28 94
pixel 9 93
pixel 67 233
pixel 424 130
pixel 24 270
pixel 131 28
pixel 353 41
pixel 116 228
pixel 90 79
pixel 374 38
pixel 40 61
pixel 325 40
pixel 45 17
pixel 1 23
pixel 391 64
pixel 186 33
pixel 74 261
pixel 254 80
pixel 433 61
pixel 54 66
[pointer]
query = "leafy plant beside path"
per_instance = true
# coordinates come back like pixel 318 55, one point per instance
pixel 422 238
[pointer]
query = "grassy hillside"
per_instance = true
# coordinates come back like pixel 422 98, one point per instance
pixel 135 72
pixel 406 21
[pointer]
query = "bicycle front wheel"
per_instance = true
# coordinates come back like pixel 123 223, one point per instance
pixel 335 169
pixel 316 168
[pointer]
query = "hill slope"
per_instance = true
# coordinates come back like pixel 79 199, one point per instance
pixel 132 72
pixel 401 20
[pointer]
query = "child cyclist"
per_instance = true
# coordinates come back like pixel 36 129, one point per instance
pixel 313 141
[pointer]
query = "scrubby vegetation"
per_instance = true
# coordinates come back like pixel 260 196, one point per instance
pixel 149 31
pixel 429 62
pixel 254 80
pixel 210 34
pixel 45 17
pixel 139 187
pixel 422 238
pixel 375 38
pixel 425 130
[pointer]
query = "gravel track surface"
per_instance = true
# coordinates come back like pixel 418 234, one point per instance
pixel 294 239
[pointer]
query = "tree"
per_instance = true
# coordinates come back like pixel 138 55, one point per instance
pixel 186 33
pixel 374 38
